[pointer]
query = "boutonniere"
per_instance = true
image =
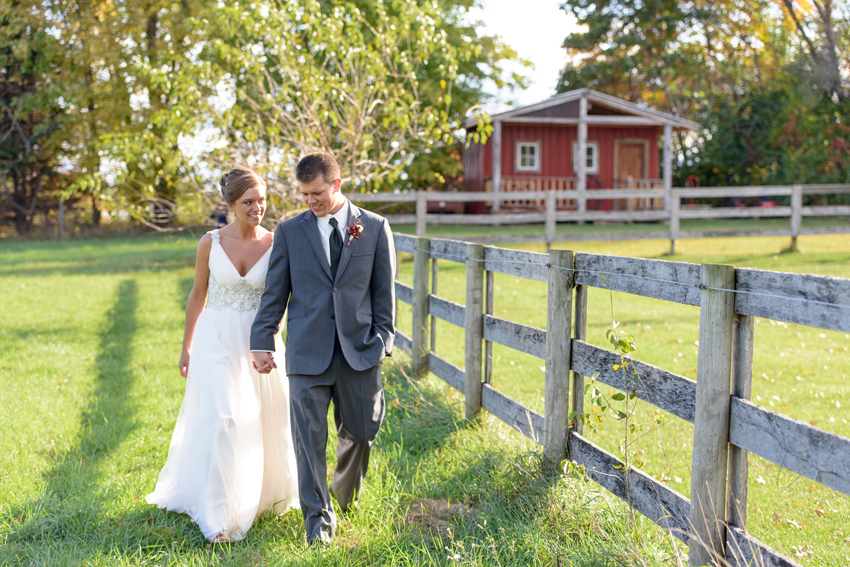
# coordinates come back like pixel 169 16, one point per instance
pixel 354 231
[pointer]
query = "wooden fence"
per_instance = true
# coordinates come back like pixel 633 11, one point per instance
pixel 727 426
pixel 672 217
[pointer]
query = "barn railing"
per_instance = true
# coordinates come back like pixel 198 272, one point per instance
pixel 677 212
pixel 727 425
pixel 532 184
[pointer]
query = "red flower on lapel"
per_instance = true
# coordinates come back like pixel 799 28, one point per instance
pixel 354 231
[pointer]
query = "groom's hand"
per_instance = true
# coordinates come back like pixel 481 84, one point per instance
pixel 263 362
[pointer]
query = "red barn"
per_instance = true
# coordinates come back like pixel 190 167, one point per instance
pixel 537 147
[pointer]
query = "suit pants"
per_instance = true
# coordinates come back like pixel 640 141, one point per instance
pixel 358 399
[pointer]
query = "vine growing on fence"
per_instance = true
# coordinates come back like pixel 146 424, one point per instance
pixel 621 406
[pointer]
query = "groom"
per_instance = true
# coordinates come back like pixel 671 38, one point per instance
pixel 333 267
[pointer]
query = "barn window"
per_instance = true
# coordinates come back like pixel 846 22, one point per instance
pixel 592 163
pixel 528 156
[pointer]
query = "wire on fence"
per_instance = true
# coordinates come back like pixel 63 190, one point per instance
pixel 463 259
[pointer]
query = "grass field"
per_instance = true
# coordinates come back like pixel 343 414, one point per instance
pixel 798 371
pixel 89 340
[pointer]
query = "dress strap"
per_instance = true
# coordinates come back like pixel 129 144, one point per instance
pixel 215 236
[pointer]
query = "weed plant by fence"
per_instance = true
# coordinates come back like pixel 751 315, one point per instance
pixel 727 426
pixel 672 214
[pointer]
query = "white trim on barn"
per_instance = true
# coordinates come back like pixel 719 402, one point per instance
pixel 592 154
pixel 527 156
pixel 651 115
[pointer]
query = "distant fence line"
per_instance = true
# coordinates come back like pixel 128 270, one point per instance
pixel 726 424
pixel 672 217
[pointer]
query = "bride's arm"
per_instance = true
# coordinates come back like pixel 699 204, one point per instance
pixel 197 299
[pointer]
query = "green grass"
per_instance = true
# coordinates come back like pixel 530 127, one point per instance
pixel 798 371
pixel 89 341
pixel 90 334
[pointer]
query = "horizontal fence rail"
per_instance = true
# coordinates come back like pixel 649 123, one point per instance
pixel 814 301
pixel 674 211
pixel 673 393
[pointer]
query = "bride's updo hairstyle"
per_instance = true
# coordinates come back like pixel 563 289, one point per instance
pixel 238 180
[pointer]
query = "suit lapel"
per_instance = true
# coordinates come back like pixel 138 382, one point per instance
pixel 311 228
pixel 347 248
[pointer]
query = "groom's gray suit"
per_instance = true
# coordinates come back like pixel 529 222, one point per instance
pixel 338 331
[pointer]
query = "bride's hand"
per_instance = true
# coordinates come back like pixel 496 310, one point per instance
pixel 184 364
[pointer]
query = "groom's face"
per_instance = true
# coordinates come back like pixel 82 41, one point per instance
pixel 322 197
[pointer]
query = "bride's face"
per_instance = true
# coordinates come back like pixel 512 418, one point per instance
pixel 250 207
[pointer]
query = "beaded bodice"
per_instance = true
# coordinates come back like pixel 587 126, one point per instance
pixel 229 290
pixel 241 296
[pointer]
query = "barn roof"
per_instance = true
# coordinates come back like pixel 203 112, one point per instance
pixel 602 110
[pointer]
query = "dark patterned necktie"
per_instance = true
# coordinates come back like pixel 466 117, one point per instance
pixel 335 242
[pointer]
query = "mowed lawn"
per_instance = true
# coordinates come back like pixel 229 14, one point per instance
pixel 90 334
pixel 797 371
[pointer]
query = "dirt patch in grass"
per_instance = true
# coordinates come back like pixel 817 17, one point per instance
pixel 434 517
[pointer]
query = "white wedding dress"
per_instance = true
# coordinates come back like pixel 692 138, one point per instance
pixel 231 456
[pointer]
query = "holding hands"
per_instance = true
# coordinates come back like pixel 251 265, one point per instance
pixel 263 362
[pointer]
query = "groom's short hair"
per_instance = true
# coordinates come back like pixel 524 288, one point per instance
pixel 313 165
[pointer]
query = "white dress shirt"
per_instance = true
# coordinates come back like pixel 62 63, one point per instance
pixel 325 227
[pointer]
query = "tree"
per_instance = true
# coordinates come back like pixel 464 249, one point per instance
pixel 369 82
pixel 815 23
pixel 31 115
pixel 763 77
pixel 674 56
pixel 160 93
pixel 377 83
pixel 480 59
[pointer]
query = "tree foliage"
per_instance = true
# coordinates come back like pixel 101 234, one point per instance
pixel 31 118
pixel 382 85
pixel 764 77
pixel 117 93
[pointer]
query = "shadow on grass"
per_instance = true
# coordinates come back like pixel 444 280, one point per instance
pixel 73 496
pixel 438 454
pixel 460 492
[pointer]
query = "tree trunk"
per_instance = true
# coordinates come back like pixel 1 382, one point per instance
pixel 95 211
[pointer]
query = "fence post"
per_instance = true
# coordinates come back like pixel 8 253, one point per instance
pixel 711 423
pixel 580 331
pixel 675 201
pixel 474 324
pixel 421 212
pixel 742 387
pixel 434 272
pixel 61 219
pixel 488 345
pixel 419 345
pixel 550 219
pixel 796 214
pixel 395 279
pixel 558 350
pixel 667 168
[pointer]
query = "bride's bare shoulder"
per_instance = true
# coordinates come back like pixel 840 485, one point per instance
pixel 205 245
pixel 268 237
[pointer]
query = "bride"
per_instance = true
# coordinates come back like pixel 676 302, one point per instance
pixel 231 456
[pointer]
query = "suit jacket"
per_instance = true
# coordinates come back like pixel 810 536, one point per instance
pixel 359 304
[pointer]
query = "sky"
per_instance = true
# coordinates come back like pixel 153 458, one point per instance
pixel 536 29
